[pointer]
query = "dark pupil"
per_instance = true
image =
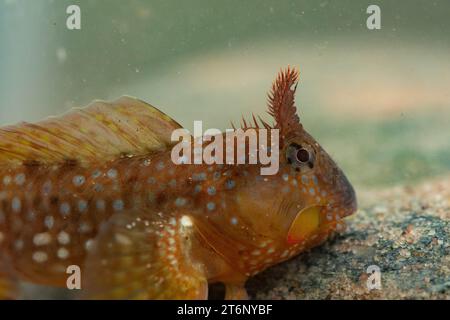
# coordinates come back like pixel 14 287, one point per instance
pixel 303 155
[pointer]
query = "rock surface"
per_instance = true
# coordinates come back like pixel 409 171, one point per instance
pixel 404 231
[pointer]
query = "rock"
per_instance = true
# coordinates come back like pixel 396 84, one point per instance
pixel 404 231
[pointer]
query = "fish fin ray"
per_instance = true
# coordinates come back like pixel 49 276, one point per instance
pixel 141 257
pixel 102 130
pixel 235 292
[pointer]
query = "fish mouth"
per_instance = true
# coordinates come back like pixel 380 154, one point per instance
pixel 311 221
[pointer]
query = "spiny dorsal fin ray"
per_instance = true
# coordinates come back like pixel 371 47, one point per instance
pixel 281 105
pixel 99 132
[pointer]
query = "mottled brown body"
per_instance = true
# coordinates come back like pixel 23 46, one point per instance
pixel 142 227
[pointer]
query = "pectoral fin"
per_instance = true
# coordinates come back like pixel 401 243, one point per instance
pixel 235 292
pixel 144 257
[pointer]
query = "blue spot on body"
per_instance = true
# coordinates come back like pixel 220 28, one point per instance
pixel 316 182
pixel 172 183
pixel 82 205
pixel 211 190
pixel 230 184
pixel 179 202
pixel 118 205
pixel 160 165
pixel 199 176
pixel 197 189
pixel 211 206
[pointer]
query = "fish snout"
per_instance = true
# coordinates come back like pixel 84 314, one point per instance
pixel 346 196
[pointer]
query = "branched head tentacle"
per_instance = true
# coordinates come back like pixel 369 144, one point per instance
pixel 281 102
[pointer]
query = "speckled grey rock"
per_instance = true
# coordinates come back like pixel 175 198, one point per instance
pixel 404 231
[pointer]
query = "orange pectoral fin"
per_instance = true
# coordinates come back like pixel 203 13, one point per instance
pixel 235 292
pixel 143 257
pixel 305 224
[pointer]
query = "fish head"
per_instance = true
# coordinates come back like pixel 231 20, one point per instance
pixel 320 194
pixel 324 194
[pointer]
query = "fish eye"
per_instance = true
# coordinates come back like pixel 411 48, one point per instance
pixel 300 156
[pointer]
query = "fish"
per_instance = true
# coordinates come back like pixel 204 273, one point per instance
pixel 97 188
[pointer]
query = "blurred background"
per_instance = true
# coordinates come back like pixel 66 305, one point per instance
pixel 377 100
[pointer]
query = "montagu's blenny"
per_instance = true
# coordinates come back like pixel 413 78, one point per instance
pixel 97 188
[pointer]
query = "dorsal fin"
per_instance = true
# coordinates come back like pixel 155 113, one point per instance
pixel 101 131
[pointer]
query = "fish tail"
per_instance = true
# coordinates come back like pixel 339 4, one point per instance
pixel 144 257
